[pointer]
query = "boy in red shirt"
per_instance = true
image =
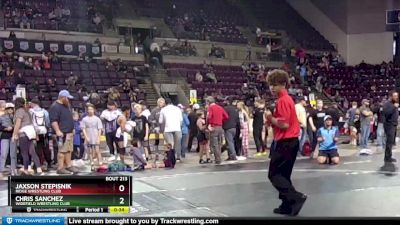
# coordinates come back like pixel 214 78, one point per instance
pixel 283 154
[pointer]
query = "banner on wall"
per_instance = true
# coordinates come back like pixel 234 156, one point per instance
pixel 61 48
pixel 54 47
pixel 23 45
pixel 124 49
pixel 68 48
pixel 9 44
pixel 82 48
pixel 111 48
pixel 313 101
pixel 20 92
pixel 193 96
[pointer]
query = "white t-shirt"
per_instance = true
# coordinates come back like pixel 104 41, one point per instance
pixel 146 113
pixel 171 117
pixel 110 115
pixel 92 126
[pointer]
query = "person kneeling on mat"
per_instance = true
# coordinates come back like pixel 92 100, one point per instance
pixel 328 136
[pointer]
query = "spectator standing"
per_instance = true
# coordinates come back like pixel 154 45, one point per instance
pixel 303 73
pixel 366 116
pixel 92 128
pixel 141 130
pixel 146 112
pixel 350 115
pixel 171 117
pixel 316 121
pixel 7 145
pixel 334 112
pixel 193 128
pixel 155 126
pixel 63 126
pixel 24 133
pixel 380 131
pixel 258 125
pixel 122 129
pixel 244 127
pixel 202 137
pixel 302 117
pixel 109 118
pixel 12 35
pixel 230 126
pixel 41 122
pixel 248 56
pixel 390 121
pixel 78 138
pixel 283 155
pixel 185 131
pixel 216 116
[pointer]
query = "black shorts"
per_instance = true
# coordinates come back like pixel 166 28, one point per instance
pixel 329 153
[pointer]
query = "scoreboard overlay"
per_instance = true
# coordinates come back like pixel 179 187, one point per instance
pixel 82 194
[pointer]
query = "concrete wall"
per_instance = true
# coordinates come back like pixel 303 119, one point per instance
pixel 335 10
pixel 322 23
pixel 372 47
pixel 366 16
pixel 357 16
pixel 364 38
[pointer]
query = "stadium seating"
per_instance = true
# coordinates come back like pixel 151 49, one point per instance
pixel 94 76
pixel 38 11
pixel 217 19
pixel 356 88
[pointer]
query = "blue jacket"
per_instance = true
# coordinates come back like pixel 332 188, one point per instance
pixel 185 124
pixel 328 134
pixel 77 134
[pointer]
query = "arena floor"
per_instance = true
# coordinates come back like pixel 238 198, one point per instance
pixel 356 187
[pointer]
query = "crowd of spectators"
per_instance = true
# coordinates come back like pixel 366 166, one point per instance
pixel 217 51
pixel 199 25
pixel 179 48
pixel 16 69
pixel 58 15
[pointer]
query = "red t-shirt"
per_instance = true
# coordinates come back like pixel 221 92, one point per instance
pixel 285 113
pixel 216 115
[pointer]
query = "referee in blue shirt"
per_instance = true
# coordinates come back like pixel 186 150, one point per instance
pixel 327 137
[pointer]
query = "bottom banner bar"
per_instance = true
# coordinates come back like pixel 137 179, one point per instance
pixel 226 220
pixel 44 209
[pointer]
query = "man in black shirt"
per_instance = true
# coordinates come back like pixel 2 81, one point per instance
pixel 390 117
pixel 316 121
pixel 193 130
pixel 229 127
pixel 63 126
pixel 258 124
